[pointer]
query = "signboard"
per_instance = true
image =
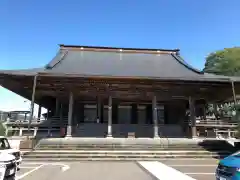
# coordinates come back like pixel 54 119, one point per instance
pixel 2 171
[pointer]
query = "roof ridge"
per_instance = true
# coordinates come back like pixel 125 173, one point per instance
pixel 184 63
pixel 63 46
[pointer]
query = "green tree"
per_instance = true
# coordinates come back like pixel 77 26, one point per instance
pixel 224 62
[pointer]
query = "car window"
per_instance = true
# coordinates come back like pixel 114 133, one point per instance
pixel 237 154
pixel 4 144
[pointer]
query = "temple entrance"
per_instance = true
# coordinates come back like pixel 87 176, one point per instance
pixel 90 119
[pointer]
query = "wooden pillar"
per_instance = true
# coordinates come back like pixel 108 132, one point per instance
pixel 234 94
pixel 149 114
pixel 49 123
pixel 56 113
pixel 82 112
pixel 20 132
pixel 204 112
pixel 192 117
pixel 215 109
pixel 155 117
pixel 70 115
pixel 109 133
pixel 61 116
pixel 33 101
pixel 166 114
pixel 99 110
pixel 39 111
pixel 115 113
pixel 134 114
pixel 102 113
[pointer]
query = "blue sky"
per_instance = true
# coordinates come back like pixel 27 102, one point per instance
pixel 32 29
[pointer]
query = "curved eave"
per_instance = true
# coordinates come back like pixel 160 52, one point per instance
pixel 41 72
pixel 235 79
pixel 184 63
pixel 190 79
pixel 232 99
pixel 22 72
pixel 231 78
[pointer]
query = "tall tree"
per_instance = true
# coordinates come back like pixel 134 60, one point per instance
pixel 224 62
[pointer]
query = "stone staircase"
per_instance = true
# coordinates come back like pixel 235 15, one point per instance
pixel 128 152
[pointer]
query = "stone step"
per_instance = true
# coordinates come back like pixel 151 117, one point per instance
pixel 120 145
pixel 50 157
pixel 32 159
pixel 71 152
pixel 124 145
pixel 127 148
pixel 133 148
pixel 133 144
pixel 121 155
pixel 116 148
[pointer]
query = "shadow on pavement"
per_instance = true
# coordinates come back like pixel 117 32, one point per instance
pixel 220 147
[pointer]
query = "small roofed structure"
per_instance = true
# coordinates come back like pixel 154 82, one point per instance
pixel 107 91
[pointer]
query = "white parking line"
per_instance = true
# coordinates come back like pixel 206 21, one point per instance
pixel 26 162
pixel 193 165
pixel 27 167
pixel 164 172
pixel 64 167
pixel 34 166
pixel 29 172
pixel 188 159
pixel 199 173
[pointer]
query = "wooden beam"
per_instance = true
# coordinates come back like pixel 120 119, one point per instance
pixel 122 87
pixel 176 90
pixel 66 84
pixel 98 82
pixel 111 80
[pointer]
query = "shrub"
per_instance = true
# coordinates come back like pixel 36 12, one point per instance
pixel 238 131
pixel 2 130
pixel 237 119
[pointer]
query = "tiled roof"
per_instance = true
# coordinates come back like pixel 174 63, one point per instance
pixel 120 64
pixel 117 62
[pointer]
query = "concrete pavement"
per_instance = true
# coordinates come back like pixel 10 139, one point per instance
pixel 201 169
pixel 84 170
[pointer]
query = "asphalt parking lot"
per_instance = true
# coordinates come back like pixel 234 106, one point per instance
pixel 38 171
pixel 201 169
pixel 197 169
pixel 82 170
